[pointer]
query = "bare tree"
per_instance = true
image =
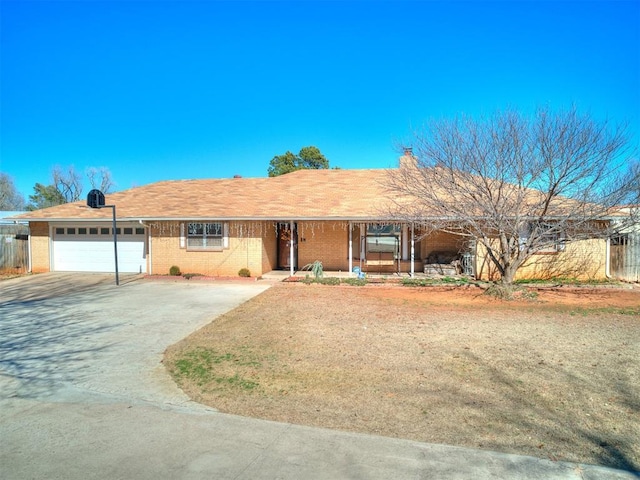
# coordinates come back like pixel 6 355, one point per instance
pixel 10 198
pixel 514 184
pixel 68 183
pixel 634 180
pixel 100 178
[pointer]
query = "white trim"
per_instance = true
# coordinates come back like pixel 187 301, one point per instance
pixel 211 219
pixel 149 257
pixel 30 259
pixel 291 249
pixel 183 239
pixel 85 251
pixel 211 242
pixel 51 265
pixel 413 251
pixel 257 219
pixel 350 247
pixel 405 243
pixel 607 258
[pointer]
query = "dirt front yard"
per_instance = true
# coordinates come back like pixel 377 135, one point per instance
pixel 557 376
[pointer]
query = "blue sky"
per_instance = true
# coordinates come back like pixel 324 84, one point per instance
pixel 159 90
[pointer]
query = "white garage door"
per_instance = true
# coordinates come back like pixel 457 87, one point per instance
pixel 89 248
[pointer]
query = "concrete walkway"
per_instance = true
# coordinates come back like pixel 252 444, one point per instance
pixel 83 395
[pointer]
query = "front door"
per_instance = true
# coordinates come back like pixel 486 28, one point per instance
pixel 285 239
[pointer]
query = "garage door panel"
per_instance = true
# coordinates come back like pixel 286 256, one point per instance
pixel 88 253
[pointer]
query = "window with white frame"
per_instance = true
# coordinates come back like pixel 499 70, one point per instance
pixel 205 236
pixel 382 238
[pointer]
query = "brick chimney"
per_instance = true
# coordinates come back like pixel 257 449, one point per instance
pixel 408 160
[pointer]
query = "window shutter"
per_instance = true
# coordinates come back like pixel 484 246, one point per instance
pixel 182 239
pixel 225 233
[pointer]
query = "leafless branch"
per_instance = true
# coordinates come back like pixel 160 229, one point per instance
pixel 517 184
pixel 100 178
pixel 69 183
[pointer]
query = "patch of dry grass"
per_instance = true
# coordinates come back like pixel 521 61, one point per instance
pixel 556 378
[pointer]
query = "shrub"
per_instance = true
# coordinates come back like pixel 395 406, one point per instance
pixel 355 282
pixel 510 292
pixel 416 282
pixel 175 271
pixel 321 281
pixel 316 269
pixel 424 282
pixel 189 276
pixel 244 272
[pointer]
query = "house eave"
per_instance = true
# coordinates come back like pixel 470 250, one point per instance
pixel 265 219
pixel 207 218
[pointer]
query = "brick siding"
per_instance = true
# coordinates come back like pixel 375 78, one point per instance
pixel 442 242
pixel 246 249
pixel 582 260
pixel 40 252
pixel 269 248
pixel 324 241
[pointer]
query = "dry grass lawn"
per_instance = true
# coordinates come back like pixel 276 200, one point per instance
pixel 557 377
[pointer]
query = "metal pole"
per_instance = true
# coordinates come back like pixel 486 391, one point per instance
pixel 115 242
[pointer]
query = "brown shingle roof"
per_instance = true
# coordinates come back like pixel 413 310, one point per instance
pixel 305 194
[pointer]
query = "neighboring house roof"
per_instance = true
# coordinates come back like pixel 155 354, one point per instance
pixel 304 194
pixel 6 216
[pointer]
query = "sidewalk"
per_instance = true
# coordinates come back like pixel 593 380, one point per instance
pixel 135 441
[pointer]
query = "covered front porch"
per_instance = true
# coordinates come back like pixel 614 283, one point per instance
pixel 374 248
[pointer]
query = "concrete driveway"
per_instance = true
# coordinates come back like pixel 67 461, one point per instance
pixel 78 337
pixel 83 395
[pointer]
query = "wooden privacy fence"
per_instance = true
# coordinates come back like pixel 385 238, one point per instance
pixel 14 248
pixel 625 257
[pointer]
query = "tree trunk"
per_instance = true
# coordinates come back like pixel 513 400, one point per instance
pixel 509 274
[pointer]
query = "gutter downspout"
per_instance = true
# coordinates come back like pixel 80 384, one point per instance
pixel 149 260
pixel 29 266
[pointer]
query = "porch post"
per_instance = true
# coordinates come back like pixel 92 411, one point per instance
pixel 350 246
pixel 405 242
pixel 413 251
pixel 291 248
